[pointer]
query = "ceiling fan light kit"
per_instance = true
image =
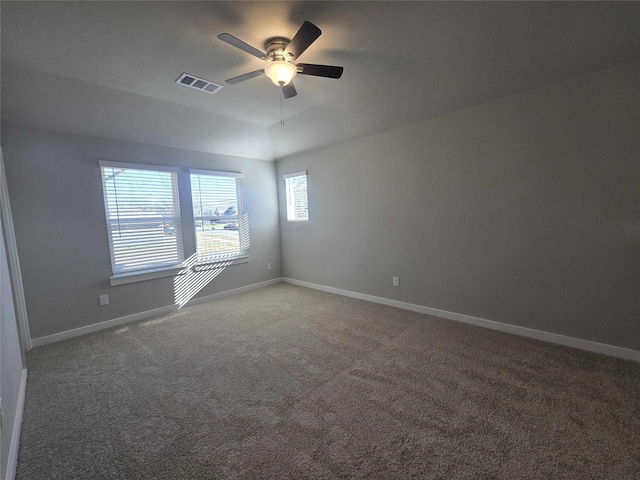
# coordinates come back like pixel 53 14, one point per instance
pixel 280 72
pixel 280 53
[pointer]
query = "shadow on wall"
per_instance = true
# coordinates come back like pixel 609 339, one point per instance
pixel 194 278
pixel 245 231
pixel 197 273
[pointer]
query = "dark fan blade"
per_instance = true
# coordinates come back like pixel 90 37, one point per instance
pixel 236 42
pixel 246 76
pixel 328 71
pixel 289 90
pixel 306 36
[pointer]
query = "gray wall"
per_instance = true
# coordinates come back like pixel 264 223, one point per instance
pixel 56 198
pixel 523 211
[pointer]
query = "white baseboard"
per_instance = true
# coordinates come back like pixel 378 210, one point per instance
pixel 95 327
pixel 12 457
pixel 596 347
pixel 619 352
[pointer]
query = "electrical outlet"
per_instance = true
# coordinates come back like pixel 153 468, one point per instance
pixel 269 266
pixel 395 281
pixel 104 299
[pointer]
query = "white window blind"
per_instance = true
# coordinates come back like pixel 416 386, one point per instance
pixel 143 217
pixel 221 227
pixel 296 196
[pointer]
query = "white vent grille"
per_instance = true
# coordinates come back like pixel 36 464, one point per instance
pixel 192 81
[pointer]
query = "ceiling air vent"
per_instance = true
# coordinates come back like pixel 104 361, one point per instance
pixel 192 81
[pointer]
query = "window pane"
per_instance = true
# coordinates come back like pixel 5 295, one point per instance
pixel 297 201
pixel 143 218
pixel 217 205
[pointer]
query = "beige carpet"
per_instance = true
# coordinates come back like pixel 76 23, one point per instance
pixel 290 383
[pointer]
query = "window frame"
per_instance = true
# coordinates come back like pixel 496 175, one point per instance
pixel 290 196
pixel 239 256
pixel 187 244
pixel 119 275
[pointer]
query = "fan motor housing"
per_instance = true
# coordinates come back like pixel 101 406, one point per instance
pixel 275 47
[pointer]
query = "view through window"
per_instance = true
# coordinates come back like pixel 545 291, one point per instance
pixel 142 207
pixel 296 196
pixel 217 214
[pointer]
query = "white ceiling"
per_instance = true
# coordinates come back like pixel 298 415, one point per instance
pixel 109 68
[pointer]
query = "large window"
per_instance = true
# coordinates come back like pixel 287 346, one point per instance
pixel 296 196
pixel 217 214
pixel 143 216
pixel 146 234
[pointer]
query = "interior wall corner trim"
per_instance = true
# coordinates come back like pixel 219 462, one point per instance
pixel 12 456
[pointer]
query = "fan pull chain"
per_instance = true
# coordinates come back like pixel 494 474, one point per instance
pixel 282 111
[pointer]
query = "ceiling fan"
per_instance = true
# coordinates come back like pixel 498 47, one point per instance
pixel 280 52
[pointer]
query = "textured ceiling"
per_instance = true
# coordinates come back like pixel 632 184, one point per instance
pixel 108 68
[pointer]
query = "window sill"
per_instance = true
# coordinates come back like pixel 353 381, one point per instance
pixel 142 275
pixel 215 263
pixel 175 270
